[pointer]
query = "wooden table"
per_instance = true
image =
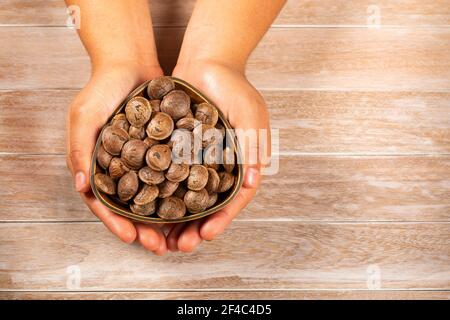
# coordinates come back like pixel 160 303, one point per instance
pixel 360 207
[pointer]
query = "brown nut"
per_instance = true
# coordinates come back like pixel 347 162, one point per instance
pixel 159 157
pixel 187 123
pixel 181 143
pixel 138 111
pixel 160 127
pixel 145 209
pixel 128 186
pixel 150 176
pixel 198 177
pixel 228 159
pixel 213 181
pixel 177 172
pixel 117 168
pixel 176 104
pixel 159 87
pixel 147 194
pixel 206 114
pixel 226 181
pixel 137 133
pixel 212 200
pixel 104 183
pixel 133 154
pixel 180 192
pixel 150 142
pixel 155 105
pixel 167 188
pixel 120 120
pixel 196 201
pixel 113 139
pixel 208 134
pixel 103 157
pixel 212 157
pixel 171 208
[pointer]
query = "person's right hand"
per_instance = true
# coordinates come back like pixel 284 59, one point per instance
pixel 89 111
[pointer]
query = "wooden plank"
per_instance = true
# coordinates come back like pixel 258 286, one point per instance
pixel 233 295
pixel 296 12
pixel 305 189
pixel 323 121
pixel 250 255
pixel 312 58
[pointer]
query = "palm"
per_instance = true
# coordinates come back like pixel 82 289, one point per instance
pixel 245 109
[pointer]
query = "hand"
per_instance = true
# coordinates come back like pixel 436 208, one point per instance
pixel 244 108
pixel 89 111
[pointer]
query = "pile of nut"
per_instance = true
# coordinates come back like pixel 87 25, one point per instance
pixel 165 154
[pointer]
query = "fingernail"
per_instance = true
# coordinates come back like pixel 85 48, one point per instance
pixel 251 178
pixel 80 181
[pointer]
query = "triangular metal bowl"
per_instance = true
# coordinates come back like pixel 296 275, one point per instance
pixel 223 200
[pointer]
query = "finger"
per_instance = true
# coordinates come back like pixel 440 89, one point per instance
pixel 118 225
pixel 151 238
pixel 190 237
pixel 174 234
pixel 216 223
pixel 82 138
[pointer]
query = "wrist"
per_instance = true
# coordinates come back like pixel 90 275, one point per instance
pixel 134 70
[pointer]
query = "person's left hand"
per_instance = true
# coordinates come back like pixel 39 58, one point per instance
pixel 245 109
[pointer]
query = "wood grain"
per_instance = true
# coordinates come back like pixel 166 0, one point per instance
pixel 256 255
pixel 312 58
pixel 308 121
pixel 40 188
pixel 233 295
pixel 296 12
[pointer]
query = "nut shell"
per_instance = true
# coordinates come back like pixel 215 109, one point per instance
pixel 144 210
pixel 171 208
pixel 155 105
pixel 212 200
pixel 103 157
pixel 120 120
pixel 167 188
pixel 228 159
pixel 137 133
pixel 177 172
pixel 206 114
pixel 133 154
pixel 187 123
pixel 226 181
pixel 148 193
pixel 104 183
pixel 117 168
pixel 159 87
pixel 128 186
pixel 196 201
pixel 176 104
pixel 138 111
pixel 113 139
pixel 213 181
pixel 198 177
pixel 160 127
pixel 159 157
pixel 150 176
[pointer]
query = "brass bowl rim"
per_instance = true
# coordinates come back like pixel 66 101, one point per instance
pixel 154 219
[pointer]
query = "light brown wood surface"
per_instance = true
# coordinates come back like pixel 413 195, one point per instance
pixel 308 188
pixel 295 255
pixel 364 178
pixel 324 121
pixel 339 59
pixel 234 295
pixel 411 13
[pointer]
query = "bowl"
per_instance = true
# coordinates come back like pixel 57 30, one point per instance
pixel 224 199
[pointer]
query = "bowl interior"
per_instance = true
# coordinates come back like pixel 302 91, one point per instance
pixel 114 203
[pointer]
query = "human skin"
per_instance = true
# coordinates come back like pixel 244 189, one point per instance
pixel 218 41
pixel 120 42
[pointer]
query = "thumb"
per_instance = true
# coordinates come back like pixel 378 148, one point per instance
pixel 82 138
